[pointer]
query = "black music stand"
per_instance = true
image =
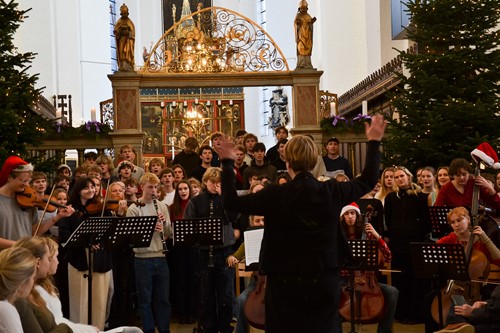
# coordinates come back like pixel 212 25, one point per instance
pixel 90 232
pixel 199 231
pixel 439 221
pixel 439 262
pixel 365 258
pixel 133 231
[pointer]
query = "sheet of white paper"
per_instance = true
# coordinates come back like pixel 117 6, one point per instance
pixel 253 239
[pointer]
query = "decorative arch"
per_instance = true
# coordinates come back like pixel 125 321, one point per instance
pixel 214 40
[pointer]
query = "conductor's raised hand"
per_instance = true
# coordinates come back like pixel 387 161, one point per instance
pixel 375 130
pixel 226 150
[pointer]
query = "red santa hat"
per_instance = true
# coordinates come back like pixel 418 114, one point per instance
pixel 351 206
pixel 13 163
pixel 486 154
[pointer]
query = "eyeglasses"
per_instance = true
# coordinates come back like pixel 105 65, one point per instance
pixel 25 181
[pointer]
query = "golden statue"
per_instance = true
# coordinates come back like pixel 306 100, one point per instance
pixel 125 41
pixel 304 35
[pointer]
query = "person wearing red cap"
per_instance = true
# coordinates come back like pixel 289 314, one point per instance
pixel 354 227
pixel 16 222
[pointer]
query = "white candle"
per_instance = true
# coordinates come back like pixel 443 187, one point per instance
pixel 92 114
pixel 332 109
pixel 208 103
pixel 162 104
pixel 364 108
pixel 230 102
pixel 174 104
pixel 173 151
pixel 185 103
pixel 196 101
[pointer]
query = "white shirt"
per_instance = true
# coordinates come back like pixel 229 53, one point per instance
pixel 9 318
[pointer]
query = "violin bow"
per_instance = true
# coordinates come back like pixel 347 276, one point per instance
pixel 105 198
pixel 44 210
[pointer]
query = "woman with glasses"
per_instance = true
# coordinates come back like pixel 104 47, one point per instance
pixel 407 220
pixel 17 221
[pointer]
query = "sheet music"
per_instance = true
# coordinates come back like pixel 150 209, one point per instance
pixel 253 240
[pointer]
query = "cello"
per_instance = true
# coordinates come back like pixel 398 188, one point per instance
pixel 478 268
pixel 362 300
pixel 255 310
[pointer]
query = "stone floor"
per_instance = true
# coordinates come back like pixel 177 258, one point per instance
pixel 398 328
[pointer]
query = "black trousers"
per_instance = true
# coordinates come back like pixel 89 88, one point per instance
pixel 302 303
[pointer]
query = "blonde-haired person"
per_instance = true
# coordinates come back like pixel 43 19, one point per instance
pixel 195 186
pixel 35 316
pixel 407 220
pixel 105 163
pixel 17 276
pixel 386 184
pixel 303 246
pixel 48 293
pixel 155 166
pixel 152 276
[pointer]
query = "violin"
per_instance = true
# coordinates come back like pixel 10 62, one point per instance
pixel 255 309
pixel 30 198
pixel 97 205
pixel 362 296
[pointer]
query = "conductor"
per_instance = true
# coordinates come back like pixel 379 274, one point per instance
pixel 303 247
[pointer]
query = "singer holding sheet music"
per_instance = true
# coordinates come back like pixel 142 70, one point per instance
pixel 152 276
pixel 303 246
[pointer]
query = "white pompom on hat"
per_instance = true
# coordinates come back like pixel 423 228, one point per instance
pixel 351 206
pixel 11 164
pixel 486 154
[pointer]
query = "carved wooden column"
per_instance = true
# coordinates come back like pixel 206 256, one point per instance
pixel 306 110
pixel 127 113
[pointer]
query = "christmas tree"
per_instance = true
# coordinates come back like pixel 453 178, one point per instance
pixel 19 125
pixel 448 101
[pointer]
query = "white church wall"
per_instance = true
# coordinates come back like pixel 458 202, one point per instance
pixel 352 39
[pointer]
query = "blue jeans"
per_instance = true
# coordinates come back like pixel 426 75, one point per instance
pixel 391 300
pixel 216 292
pixel 241 320
pixel 152 282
